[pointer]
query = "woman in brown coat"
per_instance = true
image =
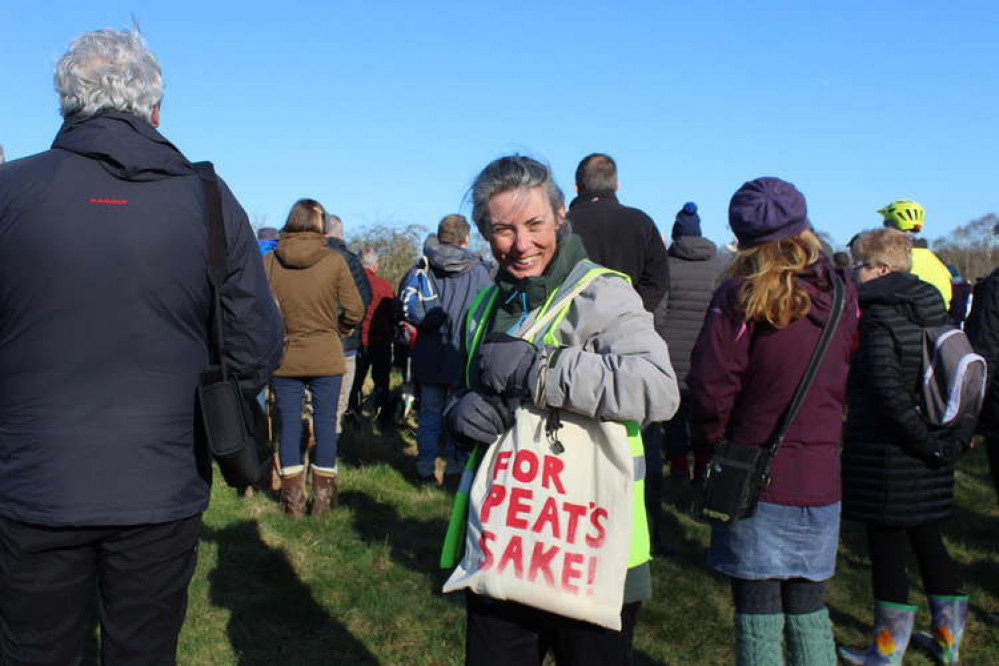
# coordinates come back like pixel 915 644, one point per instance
pixel 320 303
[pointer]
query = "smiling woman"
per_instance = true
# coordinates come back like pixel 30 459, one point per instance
pixel 522 231
pixel 601 358
pixel 520 210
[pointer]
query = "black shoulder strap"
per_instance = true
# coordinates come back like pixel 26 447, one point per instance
pixel 216 255
pixel 813 365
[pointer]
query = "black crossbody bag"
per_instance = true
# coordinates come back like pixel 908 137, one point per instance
pixel 737 474
pixel 234 426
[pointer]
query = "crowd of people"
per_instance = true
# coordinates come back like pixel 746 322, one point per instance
pixel 104 489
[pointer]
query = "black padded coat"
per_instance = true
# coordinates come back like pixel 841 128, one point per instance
pixel 886 440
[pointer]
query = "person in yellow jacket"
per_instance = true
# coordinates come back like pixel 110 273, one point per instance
pixel 907 215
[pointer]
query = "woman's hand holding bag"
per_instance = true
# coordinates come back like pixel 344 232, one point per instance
pixel 479 418
pixel 506 365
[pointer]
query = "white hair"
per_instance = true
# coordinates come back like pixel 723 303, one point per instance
pixel 108 70
pixel 369 257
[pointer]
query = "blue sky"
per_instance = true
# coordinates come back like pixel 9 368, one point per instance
pixel 385 111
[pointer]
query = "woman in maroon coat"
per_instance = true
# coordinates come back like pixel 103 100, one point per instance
pixel 762 327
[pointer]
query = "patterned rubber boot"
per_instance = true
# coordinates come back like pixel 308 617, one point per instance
pixel 948 618
pixel 809 639
pixel 758 639
pixel 892 630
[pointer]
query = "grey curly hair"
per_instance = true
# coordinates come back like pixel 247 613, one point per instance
pixel 108 70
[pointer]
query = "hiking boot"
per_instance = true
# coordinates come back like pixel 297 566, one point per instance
pixel 293 491
pixel 892 630
pixel 324 490
pixel 948 619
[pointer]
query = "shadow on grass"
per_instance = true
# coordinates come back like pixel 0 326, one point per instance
pixel 642 659
pixel 364 442
pixel 367 443
pixel 975 465
pixel 844 618
pixel 415 544
pixel 982 574
pixel 274 618
pixel 970 528
pixel 678 498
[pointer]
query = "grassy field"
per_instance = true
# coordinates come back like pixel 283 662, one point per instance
pixel 361 586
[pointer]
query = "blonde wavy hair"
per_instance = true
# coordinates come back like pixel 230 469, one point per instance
pixel 770 292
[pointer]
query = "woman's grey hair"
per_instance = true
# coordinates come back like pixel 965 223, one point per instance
pixel 505 174
pixel 108 70
pixel 369 258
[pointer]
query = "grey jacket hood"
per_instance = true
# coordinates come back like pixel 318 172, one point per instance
pixel 126 146
pixel 692 248
pixel 451 259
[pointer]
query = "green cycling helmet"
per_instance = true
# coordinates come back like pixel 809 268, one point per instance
pixel 904 215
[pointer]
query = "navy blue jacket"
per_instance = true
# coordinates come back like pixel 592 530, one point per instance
pixel 104 326
pixel 351 343
pixel 458 276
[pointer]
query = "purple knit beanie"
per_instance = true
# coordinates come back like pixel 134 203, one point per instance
pixel 767 209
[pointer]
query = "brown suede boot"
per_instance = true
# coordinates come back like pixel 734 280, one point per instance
pixel 324 491
pixel 293 490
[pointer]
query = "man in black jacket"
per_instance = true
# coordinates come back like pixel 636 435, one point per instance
pixel 627 240
pixel 351 343
pixel 618 237
pixel 105 332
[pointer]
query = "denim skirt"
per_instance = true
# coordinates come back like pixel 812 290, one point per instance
pixel 780 542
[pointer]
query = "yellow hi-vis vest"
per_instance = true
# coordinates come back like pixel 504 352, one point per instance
pixel 476 322
pixel 927 267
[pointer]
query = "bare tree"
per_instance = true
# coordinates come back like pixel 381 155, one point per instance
pixel 970 247
pixel 397 248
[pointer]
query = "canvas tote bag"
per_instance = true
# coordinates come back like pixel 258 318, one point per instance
pixel 551 512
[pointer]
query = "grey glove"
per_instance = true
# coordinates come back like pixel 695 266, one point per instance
pixel 505 365
pixel 478 418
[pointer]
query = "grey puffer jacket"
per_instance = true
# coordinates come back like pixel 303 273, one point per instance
pixel 694 267
pixel 610 364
